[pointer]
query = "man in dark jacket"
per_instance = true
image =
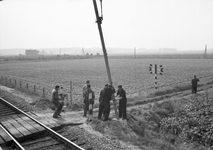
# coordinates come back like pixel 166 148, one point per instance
pixel 105 97
pixel 101 106
pixel 194 84
pixel 55 100
pixel 121 93
pixel 102 93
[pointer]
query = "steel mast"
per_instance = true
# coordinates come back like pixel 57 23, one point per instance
pixel 99 21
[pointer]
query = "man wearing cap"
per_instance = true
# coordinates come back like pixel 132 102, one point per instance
pixel 121 93
pixel 85 87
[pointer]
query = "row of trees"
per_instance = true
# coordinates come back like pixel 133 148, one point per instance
pixel 48 57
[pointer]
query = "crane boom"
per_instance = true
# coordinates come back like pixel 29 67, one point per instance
pixel 99 21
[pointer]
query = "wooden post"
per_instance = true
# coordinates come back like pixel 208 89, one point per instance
pixel 71 92
pixel 34 88
pixel 20 85
pixel 15 82
pixel 43 92
pixel 99 21
pixel 10 80
pixel 27 86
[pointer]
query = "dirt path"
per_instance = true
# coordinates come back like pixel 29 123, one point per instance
pixel 75 117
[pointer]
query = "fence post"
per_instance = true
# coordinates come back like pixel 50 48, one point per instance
pixel 34 88
pixel 71 92
pixel 27 86
pixel 10 80
pixel 20 85
pixel 43 92
pixel 15 82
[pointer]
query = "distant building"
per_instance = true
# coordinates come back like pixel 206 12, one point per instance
pixel 31 53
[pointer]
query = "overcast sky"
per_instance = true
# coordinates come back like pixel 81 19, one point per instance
pixel 180 24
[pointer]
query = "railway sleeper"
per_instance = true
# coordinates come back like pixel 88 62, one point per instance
pixel 3 112
pixel 43 145
pixel 7 114
pixel 39 138
pixel 50 142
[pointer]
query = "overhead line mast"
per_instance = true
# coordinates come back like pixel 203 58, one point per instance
pixel 99 21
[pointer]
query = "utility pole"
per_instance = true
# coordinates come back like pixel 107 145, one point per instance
pixel 59 51
pixel 99 21
pixel 205 53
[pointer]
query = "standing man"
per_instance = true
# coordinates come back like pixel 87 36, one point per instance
pixel 105 104
pixel 121 93
pixel 55 100
pixel 101 106
pixel 84 99
pixel 62 97
pixel 114 101
pixel 89 97
pixel 194 84
pixel 85 87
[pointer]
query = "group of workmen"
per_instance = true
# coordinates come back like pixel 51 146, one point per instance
pixel 107 94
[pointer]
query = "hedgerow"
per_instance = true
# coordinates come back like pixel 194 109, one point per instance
pixel 194 123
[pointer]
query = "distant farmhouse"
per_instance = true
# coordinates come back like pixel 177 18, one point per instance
pixel 31 53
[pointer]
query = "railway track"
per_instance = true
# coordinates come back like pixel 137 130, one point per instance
pixel 15 125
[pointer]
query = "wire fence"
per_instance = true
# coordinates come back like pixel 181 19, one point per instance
pixel 42 90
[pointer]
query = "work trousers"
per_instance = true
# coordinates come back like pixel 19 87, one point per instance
pixel 86 107
pixel 122 109
pixel 90 117
pixel 104 108
pixel 58 108
pixel 194 89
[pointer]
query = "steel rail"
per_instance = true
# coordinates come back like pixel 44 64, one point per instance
pixel 16 142
pixel 52 132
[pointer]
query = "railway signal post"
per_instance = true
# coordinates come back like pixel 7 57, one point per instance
pixel 156 72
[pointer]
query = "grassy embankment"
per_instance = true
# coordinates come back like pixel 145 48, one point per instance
pixel 165 125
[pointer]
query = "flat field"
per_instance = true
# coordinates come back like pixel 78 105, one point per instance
pixel 133 74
